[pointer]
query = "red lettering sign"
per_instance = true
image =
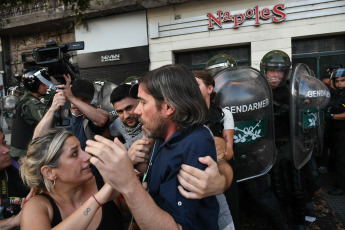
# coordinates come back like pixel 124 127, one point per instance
pixel 278 11
pixel 218 20
pixel 277 14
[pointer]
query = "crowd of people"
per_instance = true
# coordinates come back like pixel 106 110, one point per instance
pixel 167 160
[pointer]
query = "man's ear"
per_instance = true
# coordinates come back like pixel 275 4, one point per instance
pixel 48 172
pixel 168 109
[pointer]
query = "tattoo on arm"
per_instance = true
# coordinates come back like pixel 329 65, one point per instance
pixel 5 226
pixel 87 211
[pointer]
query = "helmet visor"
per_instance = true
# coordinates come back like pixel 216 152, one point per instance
pixel 276 76
pixel 43 76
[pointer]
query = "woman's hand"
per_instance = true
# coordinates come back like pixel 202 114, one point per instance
pixel 16 218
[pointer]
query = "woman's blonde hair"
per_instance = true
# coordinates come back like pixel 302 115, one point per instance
pixel 45 150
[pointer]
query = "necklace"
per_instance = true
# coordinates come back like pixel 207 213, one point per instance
pixel 81 202
pixel 150 163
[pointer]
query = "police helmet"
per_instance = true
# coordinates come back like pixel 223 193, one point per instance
pixel 32 79
pixel 132 80
pixel 279 61
pixel 219 62
pixel 336 74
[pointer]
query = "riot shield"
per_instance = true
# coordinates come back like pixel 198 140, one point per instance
pixel 308 96
pixel 247 94
pixel 104 98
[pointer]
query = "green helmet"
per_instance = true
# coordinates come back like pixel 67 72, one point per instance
pixel 276 66
pixel 219 62
pixel 132 80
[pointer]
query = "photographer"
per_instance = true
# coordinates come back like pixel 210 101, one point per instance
pixel 86 119
pixel 28 111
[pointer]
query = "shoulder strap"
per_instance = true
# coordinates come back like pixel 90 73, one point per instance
pixel 56 212
pixel 4 188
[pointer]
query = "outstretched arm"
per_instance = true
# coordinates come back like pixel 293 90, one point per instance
pixel 13 222
pixel 111 159
pixel 47 121
pixel 98 116
pixel 37 211
pixel 339 116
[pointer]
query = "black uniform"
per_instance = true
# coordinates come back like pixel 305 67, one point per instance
pixel 337 133
pixel 293 188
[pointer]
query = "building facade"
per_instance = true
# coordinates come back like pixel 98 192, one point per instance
pixel 309 31
pixel 116 47
pixel 126 38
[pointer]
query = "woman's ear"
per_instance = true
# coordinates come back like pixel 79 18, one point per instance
pixel 210 89
pixel 48 172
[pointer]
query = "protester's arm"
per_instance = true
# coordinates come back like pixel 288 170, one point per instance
pixel 228 135
pixel 99 117
pixel 106 154
pixel 13 222
pixel 339 116
pixel 37 211
pixel 47 121
pixel 10 223
pixel 215 179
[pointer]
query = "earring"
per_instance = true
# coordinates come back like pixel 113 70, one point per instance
pixel 54 184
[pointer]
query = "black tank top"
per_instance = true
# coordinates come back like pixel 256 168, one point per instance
pixel 111 215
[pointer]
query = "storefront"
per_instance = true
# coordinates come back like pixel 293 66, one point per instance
pixel 309 31
pixel 116 47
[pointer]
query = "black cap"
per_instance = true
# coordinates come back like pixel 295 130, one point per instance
pixel 83 88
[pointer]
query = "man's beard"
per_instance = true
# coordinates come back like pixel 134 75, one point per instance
pixel 136 123
pixel 158 131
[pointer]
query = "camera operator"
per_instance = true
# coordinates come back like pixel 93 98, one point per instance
pixel 29 110
pixel 86 119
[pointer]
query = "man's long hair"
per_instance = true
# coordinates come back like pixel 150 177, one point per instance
pixel 176 85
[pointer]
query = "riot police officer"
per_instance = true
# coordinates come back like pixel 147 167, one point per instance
pixel 336 116
pixel 288 182
pixel 219 62
pixel 29 110
pixel 246 92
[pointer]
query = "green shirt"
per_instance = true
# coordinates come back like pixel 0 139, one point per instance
pixel 32 112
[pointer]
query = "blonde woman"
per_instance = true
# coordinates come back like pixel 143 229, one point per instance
pixel 70 196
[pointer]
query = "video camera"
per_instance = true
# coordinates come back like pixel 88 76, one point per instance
pixel 56 59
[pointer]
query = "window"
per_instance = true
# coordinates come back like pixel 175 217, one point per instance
pixel 319 53
pixel 197 60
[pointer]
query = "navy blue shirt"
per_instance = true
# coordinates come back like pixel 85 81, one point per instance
pixel 167 158
pixel 77 128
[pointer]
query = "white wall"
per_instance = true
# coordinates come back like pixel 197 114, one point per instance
pixel 114 32
pixel 263 38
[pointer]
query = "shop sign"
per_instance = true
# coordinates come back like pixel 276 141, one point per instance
pixel 112 57
pixel 277 14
